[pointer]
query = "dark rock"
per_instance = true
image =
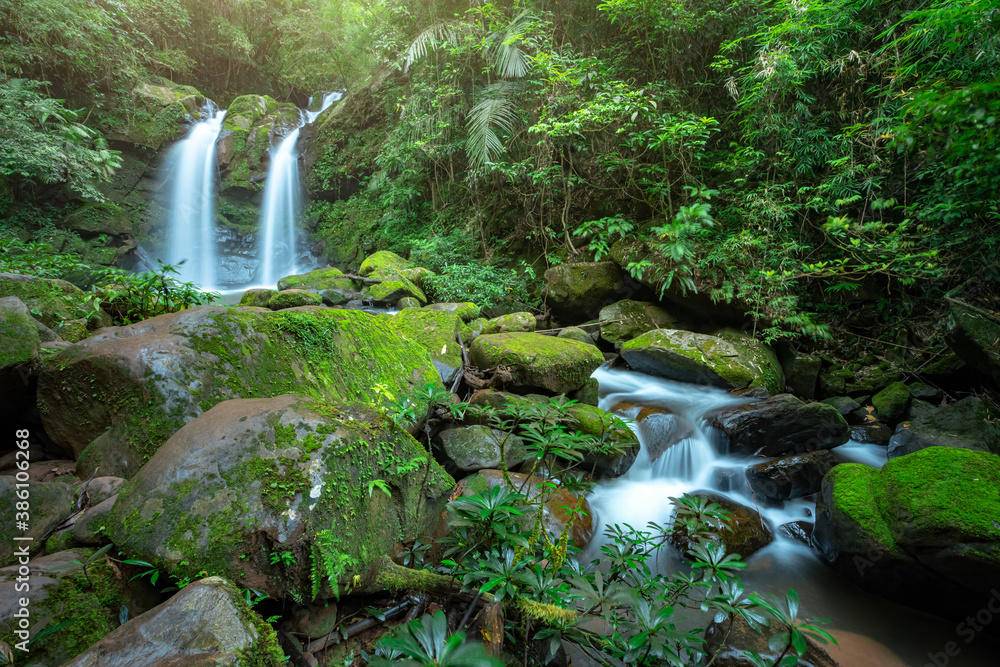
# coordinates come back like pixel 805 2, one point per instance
pixel 51 503
pixel 845 405
pixel 780 426
pixel 872 433
pixel 749 532
pixel 968 424
pixel 479 448
pixel 625 320
pixel 924 392
pixel 579 291
pixel 973 335
pixel 800 531
pixel 891 402
pixel 739 639
pixel 801 374
pixel 791 476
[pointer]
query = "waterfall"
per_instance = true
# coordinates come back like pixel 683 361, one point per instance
pixel 282 204
pixel 192 172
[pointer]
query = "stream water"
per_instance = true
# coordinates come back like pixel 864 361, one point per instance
pixel 192 173
pixel 282 204
pixel 872 630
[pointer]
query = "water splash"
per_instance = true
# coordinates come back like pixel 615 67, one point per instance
pixel 192 174
pixel 282 203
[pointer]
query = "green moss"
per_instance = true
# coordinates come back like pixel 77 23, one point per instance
pixel 891 402
pixel 252 107
pixel 60 542
pixel 537 361
pixel 265 651
pixel 257 297
pixel 385 261
pixel 854 490
pixel 99 218
pixel 293 299
pixel 318 280
pixel 50 301
pixel 435 331
pixel 18 339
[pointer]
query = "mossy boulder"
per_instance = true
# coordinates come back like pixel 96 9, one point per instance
pixel 50 301
pixel 512 322
pixel 393 287
pixel 891 402
pixel 98 218
pixel 19 342
pixel 206 622
pixel 257 297
pixel 435 331
pixel 317 281
pixel 246 110
pixel 407 302
pixel 970 423
pixel 747 533
pixel 383 261
pixel 625 320
pixel 51 503
pixel 578 291
pixel 73 331
pixel 801 373
pixel 466 310
pixel 477 447
pixel 729 361
pixel 417 275
pixel 161 108
pixel 780 426
pixel 974 335
pixel 86 610
pixel 294 298
pixel 537 362
pixel 921 531
pixel 146 380
pixel 289 474
pixel 576 333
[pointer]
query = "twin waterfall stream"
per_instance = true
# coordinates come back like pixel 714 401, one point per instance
pixel 192 178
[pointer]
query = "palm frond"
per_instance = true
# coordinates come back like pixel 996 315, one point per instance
pixel 483 145
pixel 510 59
pixel 439 33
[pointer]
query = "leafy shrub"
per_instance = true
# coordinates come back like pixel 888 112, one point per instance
pixel 129 297
pixel 490 287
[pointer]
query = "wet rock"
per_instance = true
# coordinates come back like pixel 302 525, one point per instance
pixel 146 380
pixel 891 402
pixel 731 641
pixel 479 447
pixel 294 298
pixel 258 297
pixel 967 424
pixel 872 433
pixel 625 320
pixel 800 531
pixel 660 430
pixel 791 476
pixel 514 322
pixel 781 425
pixel 288 474
pixel 749 532
pixel 845 405
pixel 204 623
pixel 973 335
pixel 537 362
pixel 924 392
pixel 801 373
pixel 729 361
pixel 236 270
pixel 317 281
pixel 583 288
pixel 921 531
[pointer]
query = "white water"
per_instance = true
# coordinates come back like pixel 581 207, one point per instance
pixel 192 170
pixel 872 630
pixel 282 204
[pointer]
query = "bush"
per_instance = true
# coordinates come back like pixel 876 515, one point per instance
pixel 490 287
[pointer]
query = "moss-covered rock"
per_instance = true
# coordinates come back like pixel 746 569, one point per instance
pixel 257 297
pixel 970 423
pixel 625 320
pixel 73 331
pixel 576 333
pixel 87 607
pixel 246 110
pixel 435 331
pixel 148 379
pixel 284 475
pixel 161 108
pixel 467 310
pixel 50 502
pixel 479 448
pixel 19 342
pixel 416 275
pixel 747 533
pixel 98 218
pixel 317 281
pixel 511 322
pixel 579 291
pixel 407 302
pixel 728 360
pixel 206 622
pixel 393 287
pixel 801 373
pixel 50 301
pixel 974 335
pixel 922 530
pixel 537 362
pixel 383 261
pixel 891 402
pixel 294 298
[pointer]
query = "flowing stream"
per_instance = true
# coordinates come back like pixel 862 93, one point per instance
pixel 282 204
pixel 872 631
pixel 192 172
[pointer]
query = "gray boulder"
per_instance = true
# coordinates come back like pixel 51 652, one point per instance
pixel 967 424
pixel 781 425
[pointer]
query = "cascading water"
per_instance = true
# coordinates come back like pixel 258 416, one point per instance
pixel 282 204
pixel 192 172
pixel 871 630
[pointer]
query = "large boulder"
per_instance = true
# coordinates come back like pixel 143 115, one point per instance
pixel 317 281
pixel 974 335
pixel 579 291
pixel 50 301
pixel 625 320
pixel 659 428
pixel 49 504
pixel 466 310
pixel 731 641
pixel 437 332
pixel 206 623
pixel 294 298
pixel 922 530
pixel 332 485
pixel 510 322
pixel 790 476
pixel 19 350
pixel 891 402
pixel 480 447
pixel 732 362
pixel 164 107
pixel 746 532
pixel 780 426
pixel 967 424
pixel 392 287
pixel 252 125
pixel 537 362
pixel 146 380
pixel 383 261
